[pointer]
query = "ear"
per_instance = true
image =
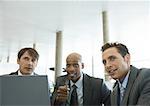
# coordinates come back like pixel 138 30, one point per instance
pixel 127 58
pixel 36 64
pixel 18 61
pixel 82 65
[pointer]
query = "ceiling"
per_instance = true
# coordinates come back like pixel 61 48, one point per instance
pixel 24 22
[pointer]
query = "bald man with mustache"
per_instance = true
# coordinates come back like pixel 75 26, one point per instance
pixel 90 91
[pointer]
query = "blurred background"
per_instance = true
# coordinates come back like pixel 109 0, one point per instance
pixel 35 23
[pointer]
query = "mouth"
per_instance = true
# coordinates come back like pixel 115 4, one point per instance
pixel 73 75
pixel 112 72
pixel 28 68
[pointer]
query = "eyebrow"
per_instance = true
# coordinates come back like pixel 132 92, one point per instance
pixel 112 56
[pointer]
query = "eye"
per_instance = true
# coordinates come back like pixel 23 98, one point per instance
pixel 104 62
pixel 26 58
pixel 67 65
pixel 73 65
pixel 112 58
pixel 76 65
pixel 33 60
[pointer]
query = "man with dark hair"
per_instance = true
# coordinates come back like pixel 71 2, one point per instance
pixel 27 60
pixel 132 85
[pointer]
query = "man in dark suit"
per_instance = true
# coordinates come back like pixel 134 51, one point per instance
pixel 90 91
pixel 132 85
pixel 27 60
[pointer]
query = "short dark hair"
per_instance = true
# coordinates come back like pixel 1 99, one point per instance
pixel 121 48
pixel 32 52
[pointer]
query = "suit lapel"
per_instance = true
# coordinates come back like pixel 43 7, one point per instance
pixel 132 77
pixel 114 95
pixel 86 88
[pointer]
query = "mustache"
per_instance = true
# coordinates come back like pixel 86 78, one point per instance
pixel 70 76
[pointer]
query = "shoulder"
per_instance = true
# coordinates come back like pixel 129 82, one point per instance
pixel 14 73
pixel 141 70
pixel 61 80
pixel 140 74
pixel 143 77
pixel 96 84
pixel 92 79
pixel 35 73
pixel 144 72
pixel 61 77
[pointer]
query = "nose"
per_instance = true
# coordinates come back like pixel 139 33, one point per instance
pixel 30 62
pixel 108 65
pixel 71 69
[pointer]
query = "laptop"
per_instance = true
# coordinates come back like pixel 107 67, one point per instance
pixel 24 91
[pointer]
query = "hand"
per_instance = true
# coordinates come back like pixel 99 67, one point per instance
pixel 62 94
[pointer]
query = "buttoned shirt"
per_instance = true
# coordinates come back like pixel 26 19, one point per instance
pixel 79 85
pixel 123 86
pixel 19 73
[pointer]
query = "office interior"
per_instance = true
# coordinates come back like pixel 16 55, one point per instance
pixel 36 23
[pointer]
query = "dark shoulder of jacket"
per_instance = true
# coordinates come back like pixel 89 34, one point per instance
pixel 139 70
pixel 94 79
pixel 13 73
pixel 133 68
pixel 144 71
pixel 35 73
pixel 61 77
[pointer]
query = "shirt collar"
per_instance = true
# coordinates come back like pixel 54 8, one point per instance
pixel 125 81
pixel 19 73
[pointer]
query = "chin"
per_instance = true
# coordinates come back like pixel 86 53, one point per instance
pixel 28 72
pixel 73 80
pixel 114 77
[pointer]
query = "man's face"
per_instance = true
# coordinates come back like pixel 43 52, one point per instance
pixel 73 68
pixel 26 64
pixel 116 65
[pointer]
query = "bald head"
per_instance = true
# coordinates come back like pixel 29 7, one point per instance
pixel 73 66
pixel 74 57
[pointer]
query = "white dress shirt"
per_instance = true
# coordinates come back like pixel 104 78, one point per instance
pixel 19 73
pixel 79 85
pixel 123 85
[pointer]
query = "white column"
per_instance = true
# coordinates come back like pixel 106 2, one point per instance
pixel 105 34
pixel 105 27
pixel 58 57
pixel 34 45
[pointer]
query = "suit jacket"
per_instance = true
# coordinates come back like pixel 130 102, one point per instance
pixel 16 73
pixel 138 89
pixel 95 92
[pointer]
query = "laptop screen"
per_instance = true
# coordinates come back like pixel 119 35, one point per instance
pixel 24 91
